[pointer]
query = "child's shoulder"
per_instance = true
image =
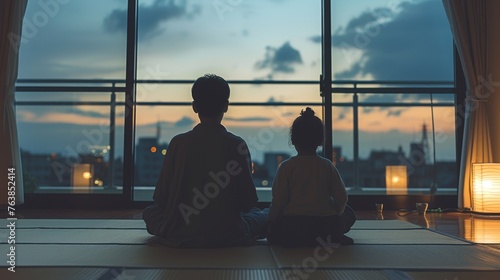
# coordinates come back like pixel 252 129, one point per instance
pixel 316 161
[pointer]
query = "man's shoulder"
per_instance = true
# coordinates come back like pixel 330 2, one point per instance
pixel 182 136
pixel 189 136
pixel 234 137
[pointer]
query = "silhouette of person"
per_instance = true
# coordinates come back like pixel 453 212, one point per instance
pixel 309 196
pixel 205 196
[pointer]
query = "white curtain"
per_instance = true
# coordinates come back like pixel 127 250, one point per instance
pixel 11 18
pixel 469 26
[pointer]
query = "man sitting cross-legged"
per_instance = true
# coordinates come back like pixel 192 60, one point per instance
pixel 205 196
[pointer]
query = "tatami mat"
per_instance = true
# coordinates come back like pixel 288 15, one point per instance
pixel 118 273
pixel 141 256
pixel 464 257
pixel 496 247
pixel 78 223
pixel 415 236
pixel 139 224
pixel 383 224
pixel 206 274
pixel 387 246
pixel 141 236
pixel 80 236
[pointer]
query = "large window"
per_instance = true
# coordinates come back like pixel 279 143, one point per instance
pixel 392 70
pixel 70 97
pixel 396 60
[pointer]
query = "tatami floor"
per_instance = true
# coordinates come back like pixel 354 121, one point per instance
pixel 473 227
pixel 480 233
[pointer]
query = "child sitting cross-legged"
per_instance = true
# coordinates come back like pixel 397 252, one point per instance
pixel 309 196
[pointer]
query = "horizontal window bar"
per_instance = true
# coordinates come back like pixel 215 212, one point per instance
pixel 352 82
pixel 405 104
pixel 68 89
pixel 335 104
pixel 335 90
pixel 394 90
pixel 378 82
pixel 70 81
pixel 66 103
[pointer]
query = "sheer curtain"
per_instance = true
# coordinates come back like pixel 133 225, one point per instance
pixel 468 22
pixel 11 18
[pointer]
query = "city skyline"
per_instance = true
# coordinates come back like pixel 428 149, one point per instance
pixel 259 139
pixel 56 170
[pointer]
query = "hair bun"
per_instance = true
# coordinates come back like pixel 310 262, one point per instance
pixel 308 112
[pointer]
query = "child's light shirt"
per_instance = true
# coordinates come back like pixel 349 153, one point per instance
pixel 307 185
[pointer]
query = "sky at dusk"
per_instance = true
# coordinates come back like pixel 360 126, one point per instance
pixel 399 40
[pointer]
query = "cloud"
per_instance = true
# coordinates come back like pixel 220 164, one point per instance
pixel 369 19
pixel 395 113
pixel 64 114
pixel 280 60
pixel 248 119
pixel 273 100
pixel 151 17
pixel 184 121
pixel 341 116
pixel 315 39
pixel 368 110
pixel 404 43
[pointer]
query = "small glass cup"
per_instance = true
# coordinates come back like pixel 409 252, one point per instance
pixel 421 207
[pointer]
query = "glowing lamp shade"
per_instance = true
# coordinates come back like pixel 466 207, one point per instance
pixel 82 174
pixel 486 187
pixel 396 179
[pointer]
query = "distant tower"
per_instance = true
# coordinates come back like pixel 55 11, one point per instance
pixel 158 132
pixel 425 144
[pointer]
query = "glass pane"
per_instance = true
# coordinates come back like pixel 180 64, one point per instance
pixel 73 39
pixel 401 40
pixel 71 149
pixel 250 92
pixel 343 150
pixel 422 98
pixel 239 40
pixel 404 136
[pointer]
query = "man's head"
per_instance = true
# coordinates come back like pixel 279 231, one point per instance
pixel 210 95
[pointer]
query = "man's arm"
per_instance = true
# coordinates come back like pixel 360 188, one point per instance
pixel 162 189
pixel 247 195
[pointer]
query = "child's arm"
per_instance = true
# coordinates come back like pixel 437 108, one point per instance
pixel 338 191
pixel 280 194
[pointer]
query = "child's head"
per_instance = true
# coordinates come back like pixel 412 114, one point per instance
pixel 210 94
pixel 307 131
